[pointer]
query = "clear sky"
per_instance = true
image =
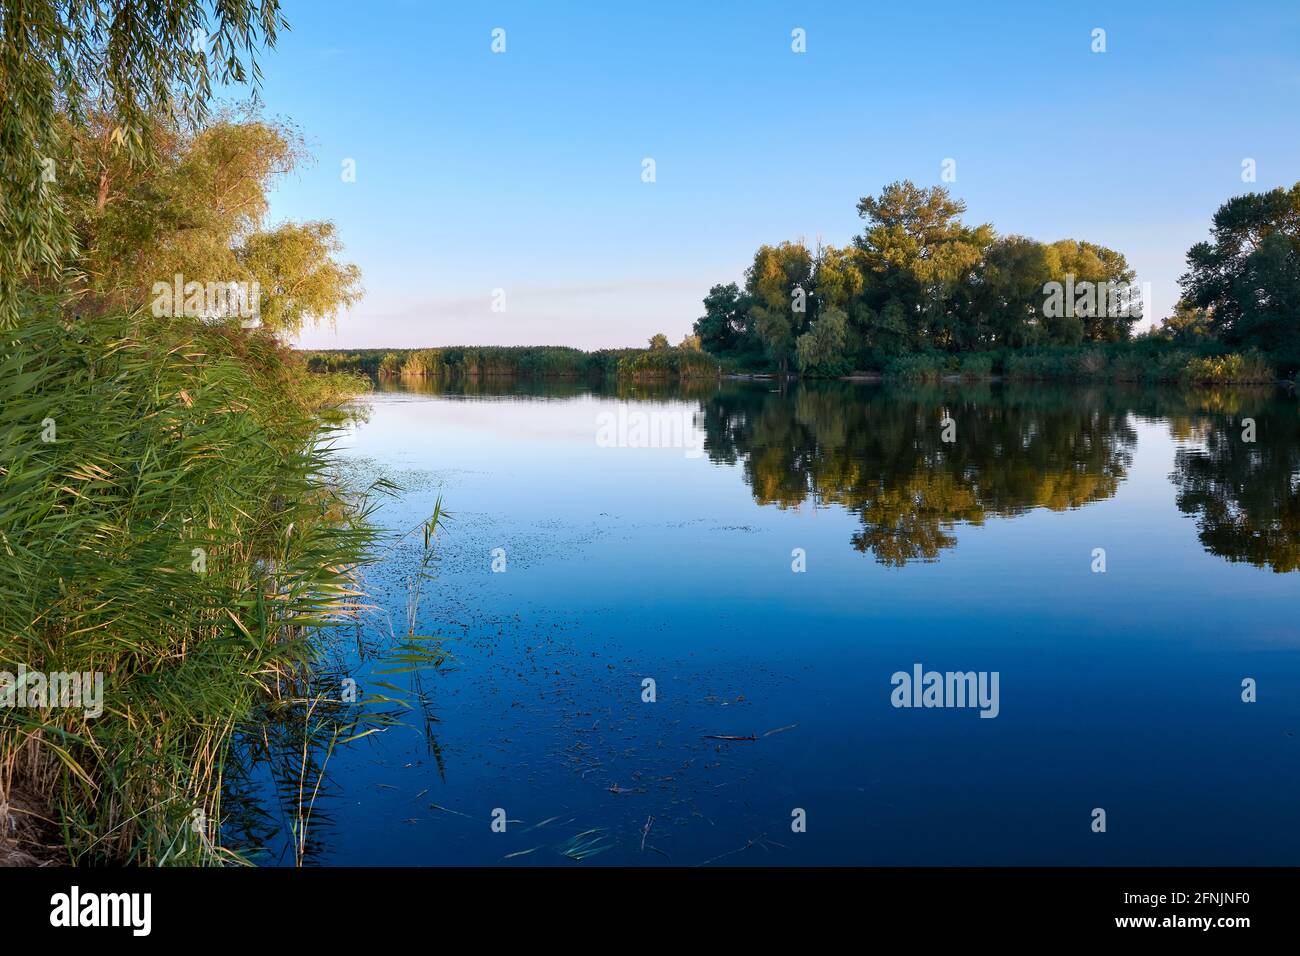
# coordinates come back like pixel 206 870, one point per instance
pixel 522 170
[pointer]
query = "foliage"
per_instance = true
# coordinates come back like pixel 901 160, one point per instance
pixel 921 367
pixel 1146 360
pixel 668 363
pixel 725 327
pixel 1188 325
pixel 1247 277
pixel 1235 368
pixel 197 210
pixel 299 275
pixel 129 62
pixel 820 350
pixel 916 280
pixel 485 362
pixel 166 523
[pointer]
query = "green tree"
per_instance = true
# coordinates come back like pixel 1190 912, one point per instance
pixel 658 342
pixel 821 349
pixel 1187 325
pixel 197 210
pixel 1009 302
pixel 1247 277
pixel 725 326
pixel 776 329
pixel 779 282
pixel 917 279
pixel 1112 318
pixel 299 275
pixel 919 255
pixel 128 61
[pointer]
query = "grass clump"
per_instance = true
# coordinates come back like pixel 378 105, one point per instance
pixel 166 521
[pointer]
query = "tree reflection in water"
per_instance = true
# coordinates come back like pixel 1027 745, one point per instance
pixel 879 453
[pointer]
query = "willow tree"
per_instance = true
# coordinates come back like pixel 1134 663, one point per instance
pixel 126 61
pixel 779 282
pixel 196 213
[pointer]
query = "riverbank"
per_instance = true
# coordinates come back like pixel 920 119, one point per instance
pixel 1139 361
pixel 539 362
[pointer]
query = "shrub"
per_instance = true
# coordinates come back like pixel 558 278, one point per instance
pixel 919 367
pixel 1234 368
pixel 667 363
pixel 976 366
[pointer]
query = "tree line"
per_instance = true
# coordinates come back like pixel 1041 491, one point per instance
pixel 919 280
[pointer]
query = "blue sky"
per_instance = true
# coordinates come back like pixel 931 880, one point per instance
pixel 521 171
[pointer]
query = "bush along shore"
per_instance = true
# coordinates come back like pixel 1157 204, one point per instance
pixel 1140 361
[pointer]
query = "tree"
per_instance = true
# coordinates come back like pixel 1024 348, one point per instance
pixel 1112 317
pixel 197 211
pixel 658 342
pixel 821 348
pixel 917 279
pixel 838 283
pixel 776 330
pixel 298 275
pixel 779 283
pixel 919 254
pixel 837 276
pixel 1009 302
pixel 1247 277
pixel 130 62
pixel 725 325
pixel 1187 325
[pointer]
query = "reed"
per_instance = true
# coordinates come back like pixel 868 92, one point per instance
pixel 167 520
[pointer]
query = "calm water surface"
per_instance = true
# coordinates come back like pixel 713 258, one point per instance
pixel 1120 690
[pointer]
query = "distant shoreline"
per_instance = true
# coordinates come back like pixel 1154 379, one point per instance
pixel 1132 362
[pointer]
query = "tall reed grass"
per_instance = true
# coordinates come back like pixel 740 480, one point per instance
pixel 167 519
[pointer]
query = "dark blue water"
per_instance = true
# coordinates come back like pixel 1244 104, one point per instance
pixel 1119 690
